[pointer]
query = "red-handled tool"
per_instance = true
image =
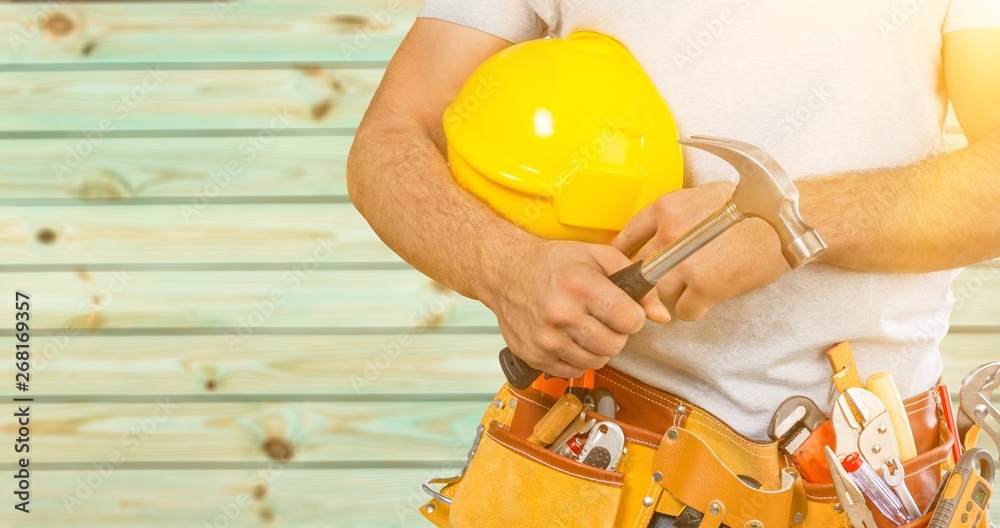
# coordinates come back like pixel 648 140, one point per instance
pixel 764 191
pixel 949 419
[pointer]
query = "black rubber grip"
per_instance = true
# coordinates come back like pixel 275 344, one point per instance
pixel 519 374
pixel 632 281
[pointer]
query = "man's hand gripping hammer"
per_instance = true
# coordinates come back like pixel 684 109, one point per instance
pixel 764 191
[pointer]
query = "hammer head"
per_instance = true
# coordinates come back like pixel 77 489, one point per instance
pixel 765 191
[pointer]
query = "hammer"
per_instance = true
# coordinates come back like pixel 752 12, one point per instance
pixel 764 191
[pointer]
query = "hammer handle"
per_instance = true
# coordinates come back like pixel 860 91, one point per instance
pixel 638 279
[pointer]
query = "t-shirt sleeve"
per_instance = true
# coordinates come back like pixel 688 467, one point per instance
pixel 972 14
pixel 512 20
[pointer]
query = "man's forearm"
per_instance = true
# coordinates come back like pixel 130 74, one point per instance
pixel 400 182
pixel 939 214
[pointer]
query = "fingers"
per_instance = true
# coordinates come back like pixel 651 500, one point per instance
pixel 595 337
pixel 616 309
pixel 637 232
pixel 691 306
pixel 656 311
pixel 559 346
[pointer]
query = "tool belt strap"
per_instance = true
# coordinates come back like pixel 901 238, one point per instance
pixel 695 475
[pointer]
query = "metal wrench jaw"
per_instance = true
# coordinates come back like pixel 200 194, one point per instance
pixel 975 406
pixel 800 243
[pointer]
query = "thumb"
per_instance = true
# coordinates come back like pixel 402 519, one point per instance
pixel 656 311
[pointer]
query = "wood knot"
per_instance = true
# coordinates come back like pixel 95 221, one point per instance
pixel 103 184
pixel 266 514
pixel 321 109
pixel 46 236
pixel 353 22
pixel 259 491
pixel 211 385
pixel 59 25
pixel 88 48
pixel 434 320
pixel 278 449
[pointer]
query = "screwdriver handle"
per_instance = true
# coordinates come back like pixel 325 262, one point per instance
pixel 521 375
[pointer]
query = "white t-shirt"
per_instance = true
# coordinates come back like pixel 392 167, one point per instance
pixel 824 87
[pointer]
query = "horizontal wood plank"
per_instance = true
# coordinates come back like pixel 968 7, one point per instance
pixel 269 496
pixel 396 363
pixel 242 303
pixel 977 296
pixel 186 168
pixel 199 231
pixel 188 32
pixel 110 103
pixel 251 498
pixel 399 363
pixel 324 298
pixel 164 431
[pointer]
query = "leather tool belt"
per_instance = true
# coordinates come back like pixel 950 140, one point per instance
pixel 678 459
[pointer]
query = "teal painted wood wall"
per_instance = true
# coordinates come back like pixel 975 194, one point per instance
pixel 220 339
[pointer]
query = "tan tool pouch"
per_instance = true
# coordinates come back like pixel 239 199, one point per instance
pixel 676 456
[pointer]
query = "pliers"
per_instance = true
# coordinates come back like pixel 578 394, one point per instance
pixel 862 425
pixel 852 501
pixel 975 406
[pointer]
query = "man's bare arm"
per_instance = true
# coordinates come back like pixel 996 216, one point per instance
pixel 935 215
pixel 554 304
pixel 939 214
pixel 397 175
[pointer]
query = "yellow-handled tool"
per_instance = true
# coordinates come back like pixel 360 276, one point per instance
pixel 882 385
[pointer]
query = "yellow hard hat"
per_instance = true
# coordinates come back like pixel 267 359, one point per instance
pixel 567 138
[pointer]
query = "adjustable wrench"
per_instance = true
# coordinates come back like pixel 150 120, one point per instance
pixel 975 406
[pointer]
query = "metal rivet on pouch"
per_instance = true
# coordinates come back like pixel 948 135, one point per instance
pixel 755 525
pixel 714 509
pixel 657 476
pixel 513 403
pixel 681 410
pixel 881 429
pixel 647 502
pixel 876 449
pixel 672 434
pixel 497 404
pixel 838 508
pixel 798 518
pixel 429 508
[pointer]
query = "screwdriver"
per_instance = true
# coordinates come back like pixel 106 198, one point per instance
pixel 555 421
pixel 876 489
